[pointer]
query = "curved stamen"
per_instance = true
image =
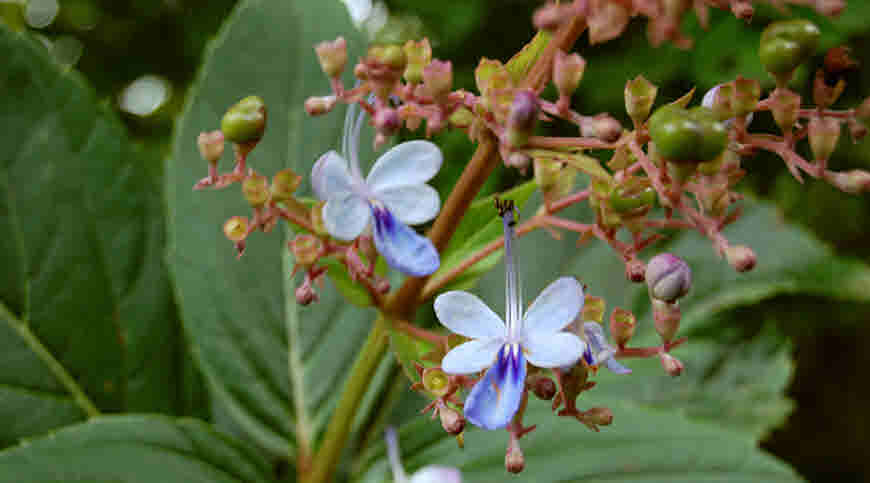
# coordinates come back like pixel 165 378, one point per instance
pixel 513 292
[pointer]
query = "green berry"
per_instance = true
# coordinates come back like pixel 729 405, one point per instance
pixel 623 202
pixel 245 121
pixel 687 136
pixel 786 45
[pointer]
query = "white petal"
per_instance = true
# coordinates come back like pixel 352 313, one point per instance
pixel 466 315
pixel 437 474
pixel 330 176
pixel 555 307
pixel 412 204
pixel 472 356
pixel 413 162
pixel 558 349
pixel 346 216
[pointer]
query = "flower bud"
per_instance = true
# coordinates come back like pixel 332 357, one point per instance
pixel 666 318
pixel 522 118
pixel 211 145
pixel 687 136
pixel 824 132
pixel 784 106
pixel 332 56
pixel 668 277
pixel 255 189
pixel 306 248
pixel 284 184
pixel 622 326
pixel 830 8
pixel 593 309
pixel 461 118
pixel 514 461
pixel 602 127
pixel 567 72
pixel 451 420
pixel 746 94
pixel 549 17
pixel 598 416
pixel 544 388
pixel 305 293
pixel 854 182
pixel 634 271
pixel 245 121
pixel 671 364
pixel 389 55
pixel 741 257
pixel 639 97
pixel 236 228
pixel 438 79
pixel 436 381
pixel 387 121
pixel 316 106
pixel 419 54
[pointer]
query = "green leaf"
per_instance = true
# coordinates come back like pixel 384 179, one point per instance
pixel 134 448
pixel 84 297
pixel 275 368
pixel 640 445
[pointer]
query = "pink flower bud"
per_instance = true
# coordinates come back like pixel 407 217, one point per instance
pixel 387 121
pixel 824 132
pixel 567 72
pixel 598 416
pixel 622 326
pixel 514 461
pixel 305 293
pixel 671 364
pixel 438 79
pixel 741 257
pixel 855 181
pixel 668 277
pixel 316 106
pixel 549 17
pixel 634 271
pixel 830 8
pixel 452 422
pixel 602 127
pixel 211 145
pixel 742 9
pixel 666 318
pixel 236 228
pixel 306 248
pixel 332 56
pixel 255 189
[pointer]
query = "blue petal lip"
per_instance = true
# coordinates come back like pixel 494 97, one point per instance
pixel 616 367
pixel 402 247
pixel 495 398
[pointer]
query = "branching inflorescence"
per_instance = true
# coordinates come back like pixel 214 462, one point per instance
pixel 675 168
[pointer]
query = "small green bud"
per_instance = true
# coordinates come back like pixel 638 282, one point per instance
pixel 436 381
pixel 306 248
pixel 787 44
pixel 624 201
pixel 390 55
pixel 746 94
pixel 593 309
pixel 419 54
pixel 332 56
pixel 824 132
pixel 284 184
pixel 255 189
pixel 461 118
pixel 640 94
pixel 567 72
pixel 236 228
pixel 245 121
pixel 622 326
pixel 211 145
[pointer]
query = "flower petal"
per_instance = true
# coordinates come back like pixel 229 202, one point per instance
pixel 557 349
pixel 402 247
pixel 437 474
pixel 616 367
pixel 473 356
pixel 412 204
pixel 555 307
pixel 330 176
pixel 495 398
pixel 346 216
pixel 413 162
pixel 465 314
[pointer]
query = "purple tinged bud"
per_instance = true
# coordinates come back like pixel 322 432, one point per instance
pixel 854 182
pixel 211 145
pixel 452 422
pixel 316 106
pixel 671 364
pixel 332 56
pixel 639 97
pixel 387 121
pixel 666 318
pixel 741 257
pixel 668 277
pixel 824 132
pixel 522 118
pixel 622 326
pixel 514 461
pixel 255 189
pixel 236 228
pixel 438 79
pixel 306 248
pixel 567 72
pixel 544 388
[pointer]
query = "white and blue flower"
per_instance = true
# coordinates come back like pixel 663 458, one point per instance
pixel 394 195
pixel 535 336
pixel 426 474
pixel 598 351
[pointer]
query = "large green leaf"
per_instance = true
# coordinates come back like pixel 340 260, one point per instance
pixel 134 448
pixel 640 445
pixel 84 297
pixel 275 367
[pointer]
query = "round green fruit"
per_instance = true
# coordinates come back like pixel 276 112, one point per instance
pixel 786 45
pixel 687 136
pixel 245 121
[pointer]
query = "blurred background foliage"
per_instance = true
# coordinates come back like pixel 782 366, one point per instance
pixel 142 55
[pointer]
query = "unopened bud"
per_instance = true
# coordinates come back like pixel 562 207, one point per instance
pixel 601 126
pixel 306 248
pixel 305 293
pixel 316 106
pixel 245 121
pixel 784 106
pixel 255 189
pixel 544 388
pixel 451 420
pixel 668 277
pixel 284 184
pixel 671 365
pixel 211 145
pixel 436 381
pixel 639 97
pixel 514 461
pixel 419 54
pixel 634 271
pixel 854 182
pixel 389 55
pixel 567 72
pixel 741 257
pixel 593 309
pixel 438 79
pixel 236 228
pixel 622 326
pixel 387 121
pixel 666 318
pixel 522 118
pixel 746 93
pixel 742 9
pixel 598 416
pixel 830 8
pixel 461 118
pixel 332 56
pixel 824 132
